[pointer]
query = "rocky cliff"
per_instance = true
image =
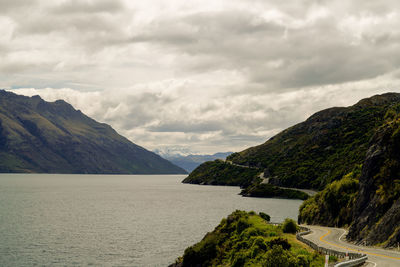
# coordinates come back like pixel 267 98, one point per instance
pixel 376 218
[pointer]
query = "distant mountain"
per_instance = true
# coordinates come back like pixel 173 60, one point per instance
pixel 52 137
pixel 191 162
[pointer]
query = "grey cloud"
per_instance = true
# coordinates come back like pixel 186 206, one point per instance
pixel 9 5
pixel 315 54
pixel 81 23
pixel 186 126
pixel 88 6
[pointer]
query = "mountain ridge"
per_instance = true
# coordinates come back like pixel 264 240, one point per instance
pixel 53 137
pixel 191 161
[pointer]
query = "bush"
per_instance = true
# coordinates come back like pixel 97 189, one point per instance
pixel 289 226
pixel 279 242
pixel 265 216
pixel 242 224
pixel 278 257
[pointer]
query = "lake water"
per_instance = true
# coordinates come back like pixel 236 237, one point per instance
pixel 113 220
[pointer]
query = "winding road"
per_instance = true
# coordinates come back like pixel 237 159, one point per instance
pixel 334 238
pixel 266 180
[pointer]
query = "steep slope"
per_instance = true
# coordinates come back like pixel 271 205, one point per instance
pixel 377 210
pixel 368 200
pixel 322 149
pixel 44 137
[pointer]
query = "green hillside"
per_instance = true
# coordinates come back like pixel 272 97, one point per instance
pixel 318 151
pixel 245 239
pixel 367 200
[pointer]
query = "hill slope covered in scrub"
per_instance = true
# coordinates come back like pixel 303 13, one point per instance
pixel 318 151
pixel 367 200
pixel 245 239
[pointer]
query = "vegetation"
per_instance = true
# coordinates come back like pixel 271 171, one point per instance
pixel 334 205
pixel 219 172
pixel 351 154
pixel 368 198
pixel 312 154
pixel 377 209
pixel 268 190
pixel 265 216
pixel 290 226
pixel 325 147
pixel 245 239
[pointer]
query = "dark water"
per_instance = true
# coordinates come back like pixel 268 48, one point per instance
pixel 101 220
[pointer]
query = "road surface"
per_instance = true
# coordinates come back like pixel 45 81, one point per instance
pixel 334 238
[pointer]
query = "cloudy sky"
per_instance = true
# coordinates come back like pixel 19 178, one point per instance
pixel 202 75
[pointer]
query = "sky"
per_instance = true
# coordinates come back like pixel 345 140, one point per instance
pixel 202 76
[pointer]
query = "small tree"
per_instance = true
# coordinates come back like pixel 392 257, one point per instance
pixel 265 216
pixel 289 226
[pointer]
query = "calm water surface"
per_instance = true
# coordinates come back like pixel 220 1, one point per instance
pixel 103 220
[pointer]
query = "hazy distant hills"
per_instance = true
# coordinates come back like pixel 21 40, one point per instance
pixel 190 162
pixel 52 137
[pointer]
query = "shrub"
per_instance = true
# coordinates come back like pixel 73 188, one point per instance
pixel 289 226
pixel 278 257
pixel 265 216
pixel 279 242
pixel 242 224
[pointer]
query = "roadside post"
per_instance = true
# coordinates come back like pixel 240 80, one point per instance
pixel 326 260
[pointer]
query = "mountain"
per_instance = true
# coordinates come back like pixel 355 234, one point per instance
pixel 321 149
pixel 350 153
pixel 52 137
pixel 191 161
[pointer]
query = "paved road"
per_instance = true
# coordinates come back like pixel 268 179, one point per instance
pixel 266 180
pixel 334 238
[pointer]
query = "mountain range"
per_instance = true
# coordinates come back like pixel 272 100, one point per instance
pixel 190 162
pixel 52 137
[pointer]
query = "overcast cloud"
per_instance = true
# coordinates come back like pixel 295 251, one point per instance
pixel 205 75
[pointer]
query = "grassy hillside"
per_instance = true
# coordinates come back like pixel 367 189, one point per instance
pixel 44 137
pixel 245 239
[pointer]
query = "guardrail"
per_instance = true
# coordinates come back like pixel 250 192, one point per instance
pixel 355 259
pixel 354 262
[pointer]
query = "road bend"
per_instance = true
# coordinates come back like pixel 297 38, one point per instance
pixel 334 238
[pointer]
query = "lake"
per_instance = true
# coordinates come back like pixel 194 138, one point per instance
pixel 113 220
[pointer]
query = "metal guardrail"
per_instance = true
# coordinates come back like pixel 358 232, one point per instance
pixel 354 262
pixel 355 259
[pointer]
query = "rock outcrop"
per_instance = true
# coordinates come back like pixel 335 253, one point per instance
pixel 376 218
